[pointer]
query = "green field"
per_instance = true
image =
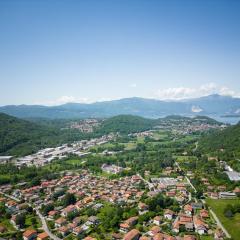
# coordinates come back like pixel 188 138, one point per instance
pixel 6 223
pixel 206 237
pixel 130 145
pixel 74 161
pixel 231 224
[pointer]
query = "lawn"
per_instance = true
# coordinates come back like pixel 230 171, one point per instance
pixel 29 221
pixel 160 135
pixel 6 223
pixel 206 237
pixel 74 161
pixel 231 224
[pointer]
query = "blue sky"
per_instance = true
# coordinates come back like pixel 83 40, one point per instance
pixel 53 52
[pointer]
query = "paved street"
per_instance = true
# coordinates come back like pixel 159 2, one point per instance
pixel 45 227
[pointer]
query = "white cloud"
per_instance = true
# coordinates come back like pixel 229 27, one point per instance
pixel 67 99
pixel 178 93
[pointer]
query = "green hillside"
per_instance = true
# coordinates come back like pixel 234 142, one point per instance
pixel 21 137
pixel 225 144
pixel 126 124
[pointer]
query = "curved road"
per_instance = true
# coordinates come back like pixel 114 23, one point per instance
pixel 217 221
pixel 211 211
pixel 45 226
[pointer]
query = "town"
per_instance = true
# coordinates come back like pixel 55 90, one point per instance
pixel 76 204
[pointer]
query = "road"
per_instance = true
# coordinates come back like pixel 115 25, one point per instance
pixel 211 211
pixel 45 226
pixel 188 180
pixel 218 221
pixel 9 196
pixel 150 185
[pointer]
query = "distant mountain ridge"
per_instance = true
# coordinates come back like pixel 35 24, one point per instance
pixel 149 108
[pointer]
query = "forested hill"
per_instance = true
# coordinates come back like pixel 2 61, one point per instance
pixel 22 137
pixel 129 123
pixel 126 124
pixel 225 144
pixel 17 134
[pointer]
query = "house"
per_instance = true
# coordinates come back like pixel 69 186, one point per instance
pixel 134 234
pixel 93 220
pixel 227 195
pixel 185 221
pixel 197 205
pixel 77 231
pixel 204 213
pixel 157 220
pixel 12 206
pixel 154 230
pixel 189 237
pixel 200 227
pixel 63 230
pixel 144 238
pixel 124 227
pixel 77 220
pixel 168 214
pixel 219 234
pixel 131 221
pixel 30 234
pixel 187 225
pixel 171 193
pixel 42 236
pixel 89 238
pixel 142 208
pixel 69 209
pixel 213 195
pixel 116 236
pixel 188 209
pixel 158 236
pixel 237 190
pixel 52 214
pixel 60 222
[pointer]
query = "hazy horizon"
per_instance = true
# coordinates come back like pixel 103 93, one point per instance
pixel 54 52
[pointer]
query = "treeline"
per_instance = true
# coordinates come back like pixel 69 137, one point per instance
pixel 223 144
pixel 227 139
pixel 9 173
pixel 20 137
pixel 231 209
pixel 126 124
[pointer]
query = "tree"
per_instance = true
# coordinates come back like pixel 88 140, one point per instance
pixel 20 220
pixel 69 199
pixel 2 209
pixel 229 211
pixel 47 208
pixel 33 221
pixel 110 217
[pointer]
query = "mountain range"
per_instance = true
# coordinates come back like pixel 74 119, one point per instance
pixel 150 108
